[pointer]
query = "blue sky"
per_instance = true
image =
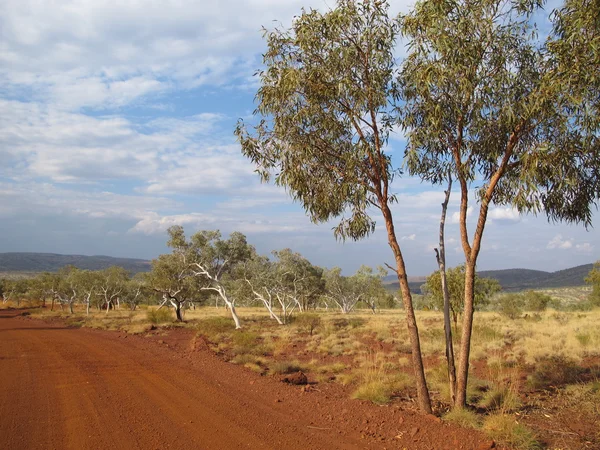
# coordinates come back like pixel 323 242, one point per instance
pixel 116 121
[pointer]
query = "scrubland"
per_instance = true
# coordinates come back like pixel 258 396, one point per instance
pixel 534 380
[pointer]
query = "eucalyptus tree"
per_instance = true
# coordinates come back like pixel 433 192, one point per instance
pixel 88 284
pixel 345 292
pixel 212 260
pixel 135 290
pixel 371 282
pixel 64 286
pixel 484 99
pixel 326 108
pixel 261 282
pixel 170 278
pixel 593 278
pixel 111 285
pixel 298 278
pixel 485 288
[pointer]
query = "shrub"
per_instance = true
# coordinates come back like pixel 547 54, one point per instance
pixel 245 342
pixel 284 367
pixel 157 316
pixel 554 371
pixel 510 305
pixel 463 417
pixel 500 398
pixel 584 339
pixel 308 322
pixel 505 429
pixel 356 322
pixel 536 301
pixel 212 326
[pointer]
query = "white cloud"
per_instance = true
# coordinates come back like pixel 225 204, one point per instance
pixel 504 215
pixel 154 223
pixel 557 242
pixel 586 247
pixel 456 216
pixel 410 237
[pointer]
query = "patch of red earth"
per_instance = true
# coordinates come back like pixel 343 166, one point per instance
pixel 179 393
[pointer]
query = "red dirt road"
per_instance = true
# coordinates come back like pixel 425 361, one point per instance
pixel 65 388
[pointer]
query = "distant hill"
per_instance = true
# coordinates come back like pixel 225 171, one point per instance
pixel 513 280
pixel 523 279
pixel 52 262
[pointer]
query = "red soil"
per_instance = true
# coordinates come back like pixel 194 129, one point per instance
pixel 67 388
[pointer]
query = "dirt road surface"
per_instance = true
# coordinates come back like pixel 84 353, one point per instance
pixel 68 388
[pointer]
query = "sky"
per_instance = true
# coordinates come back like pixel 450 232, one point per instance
pixel 116 122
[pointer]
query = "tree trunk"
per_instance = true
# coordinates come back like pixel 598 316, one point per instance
pixel 52 304
pixel 178 312
pixel 87 308
pixel 441 260
pixel 107 306
pixel 71 307
pixel 411 321
pixel 465 341
pixel 235 317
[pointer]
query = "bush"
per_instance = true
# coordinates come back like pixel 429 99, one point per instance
pixel 536 301
pixel 500 398
pixel 505 429
pixel 157 316
pixel 308 322
pixel 554 371
pixel 356 322
pixel 213 326
pixel 284 367
pixel 511 306
pixel 463 417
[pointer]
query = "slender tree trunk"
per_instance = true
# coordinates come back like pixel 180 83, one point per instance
pixel 411 321
pixel 71 307
pixel 178 312
pixel 465 341
pixel 87 308
pixel 441 260
pixel 52 304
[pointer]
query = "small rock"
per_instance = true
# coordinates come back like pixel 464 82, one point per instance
pixel 401 420
pixel 414 431
pixel 433 418
pixel 160 341
pixel 297 378
pixel 486 445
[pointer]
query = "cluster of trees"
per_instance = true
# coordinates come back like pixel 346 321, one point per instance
pixel 232 272
pixel 101 289
pixel 207 267
pixel 482 100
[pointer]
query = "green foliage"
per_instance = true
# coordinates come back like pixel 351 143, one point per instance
pixel 158 316
pixel 593 278
pixel 246 342
pixel 213 326
pixel 463 417
pixel 326 107
pixel 510 305
pixel 485 288
pixel 485 100
pixel 553 372
pixel 536 301
pixel 308 322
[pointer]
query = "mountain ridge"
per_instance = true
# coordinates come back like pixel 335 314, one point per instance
pixel 519 279
pixel 32 262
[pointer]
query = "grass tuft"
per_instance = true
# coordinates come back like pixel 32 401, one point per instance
pixel 505 429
